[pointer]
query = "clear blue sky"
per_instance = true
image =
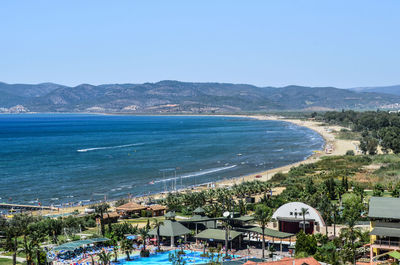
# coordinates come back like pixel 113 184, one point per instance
pixel 318 43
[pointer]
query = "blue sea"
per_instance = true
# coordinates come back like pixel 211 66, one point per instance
pixel 60 158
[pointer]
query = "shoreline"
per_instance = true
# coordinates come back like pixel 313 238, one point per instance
pixel 338 147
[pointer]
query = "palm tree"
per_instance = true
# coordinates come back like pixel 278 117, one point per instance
pixel 115 253
pixel 144 233
pixel 263 215
pixel 92 258
pixel 22 222
pixel 12 232
pixel 304 211
pixel 101 209
pixel 37 234
pixel 126 246
pixel 105 257
pixel 157 225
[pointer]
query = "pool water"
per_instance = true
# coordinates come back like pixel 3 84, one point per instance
pixel 162 259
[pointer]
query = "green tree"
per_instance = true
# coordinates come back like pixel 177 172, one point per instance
pixel 352 209
pixel 127 247
pixel 263 215
pixel 12 231
pixel 305 244
pixel 144 233
pixel 368 145
pixel 100 210
pixel 396 190
pixel 105 258
pixel 304 211
pixel 378 190
pixel 157 225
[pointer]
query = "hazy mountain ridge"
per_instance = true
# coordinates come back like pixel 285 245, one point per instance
pixel 393 90
pixel 186 97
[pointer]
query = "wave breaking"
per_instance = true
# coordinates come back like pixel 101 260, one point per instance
pixel 108 147
pixel 195 174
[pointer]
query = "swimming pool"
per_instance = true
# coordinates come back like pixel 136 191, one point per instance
pixel 162 259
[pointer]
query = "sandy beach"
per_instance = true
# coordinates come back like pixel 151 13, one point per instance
pixel 335 147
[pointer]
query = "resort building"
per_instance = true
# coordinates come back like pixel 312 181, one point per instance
pixel 291 220
pixel 199 221
pixel 108 218
pixel 170 228
pixel 130 208
pixel 384 214
pixel 218 236
pixel 156 209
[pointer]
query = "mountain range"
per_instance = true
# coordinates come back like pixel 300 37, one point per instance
pixel 187 97
pixel 394 90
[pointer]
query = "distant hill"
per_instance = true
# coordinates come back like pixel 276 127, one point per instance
pixel 184 97
pixel 394 90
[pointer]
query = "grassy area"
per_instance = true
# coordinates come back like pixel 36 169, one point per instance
pixel 4 261
pixel 370 193
pixel 385 159
pixel 332 166
pixel 347 135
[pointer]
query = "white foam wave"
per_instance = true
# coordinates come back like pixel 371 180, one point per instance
pixel 108 147
pixel 196 174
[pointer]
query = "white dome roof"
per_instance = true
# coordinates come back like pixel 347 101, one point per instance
pixel 292 210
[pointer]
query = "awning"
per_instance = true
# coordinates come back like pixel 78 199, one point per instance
pixel 71 246
pixel 395 254
pixel 98 239
pixel 218 234
pixel 385 231
pixel 243 218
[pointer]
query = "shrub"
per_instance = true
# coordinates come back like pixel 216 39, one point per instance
pixel 278 177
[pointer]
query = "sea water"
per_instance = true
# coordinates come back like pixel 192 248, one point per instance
pixel 59 158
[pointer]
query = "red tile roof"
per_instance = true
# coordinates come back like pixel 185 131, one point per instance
pixel 131 206
pixel 156 207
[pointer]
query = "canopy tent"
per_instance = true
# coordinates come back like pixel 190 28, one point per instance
pixel 170 228
pixel 71 246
